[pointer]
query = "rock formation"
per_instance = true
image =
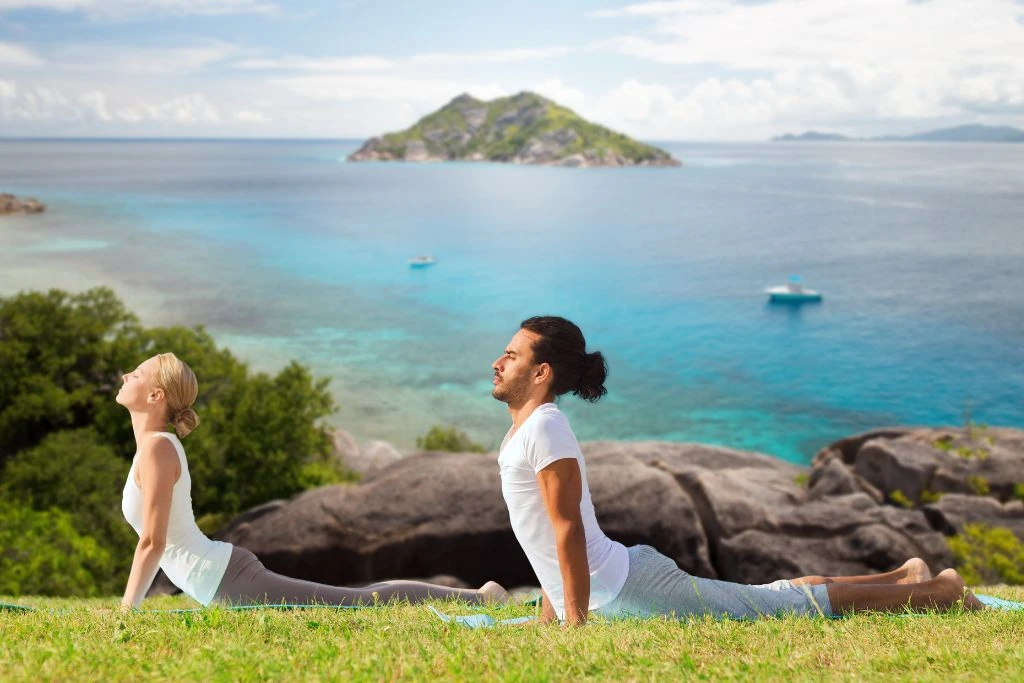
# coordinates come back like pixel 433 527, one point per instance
pixel 719 513
pixel 10 204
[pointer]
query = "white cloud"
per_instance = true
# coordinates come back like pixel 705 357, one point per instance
pixel 17 55
pixel 188 109
pixel 94 103
pixel 308 64
pixel 491 56
pixel 384 88
pixel 790 62
pixel 554 89
pixel 52 105
pixel 250 116
pixel 145 60
pixel 121 9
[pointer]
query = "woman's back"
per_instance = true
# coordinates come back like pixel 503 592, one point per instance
pixel 193 562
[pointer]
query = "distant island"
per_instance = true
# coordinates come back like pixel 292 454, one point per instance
pixel 10 204
pixel 521 129
pixel 967 133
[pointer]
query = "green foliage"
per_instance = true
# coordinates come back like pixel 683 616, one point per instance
pixel 41 553
pixel 75 471
pixel 901 499
pixel 450 440
pixel 802 479
pixel 61 356
pixel 1018 491
pixel 986 555
pixel 978 484
pixel 258 439
pixel 65 443
pixel 929 496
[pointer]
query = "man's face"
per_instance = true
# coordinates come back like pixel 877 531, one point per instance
pixel 514 371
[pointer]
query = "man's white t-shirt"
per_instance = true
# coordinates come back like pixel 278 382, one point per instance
pixel 543 438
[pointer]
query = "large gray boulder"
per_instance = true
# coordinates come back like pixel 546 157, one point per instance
pixel 717 512
pixel 921 463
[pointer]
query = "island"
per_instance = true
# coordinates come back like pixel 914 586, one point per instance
pixel 965 133
pixel 522 129
pixel 10 204
pixel 811 136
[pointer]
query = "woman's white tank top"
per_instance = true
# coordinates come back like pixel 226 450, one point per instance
pixel 193 562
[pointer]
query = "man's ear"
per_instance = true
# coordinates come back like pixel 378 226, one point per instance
pixel 543 373
pixel 155 396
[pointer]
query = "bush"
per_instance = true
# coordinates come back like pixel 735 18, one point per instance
pixel 41 553
pixel 450 440
pixel 61 357
pixel 987 555
pixel 74 471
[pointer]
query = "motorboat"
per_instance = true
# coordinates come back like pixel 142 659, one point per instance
pixel 792 292
pixel 422 261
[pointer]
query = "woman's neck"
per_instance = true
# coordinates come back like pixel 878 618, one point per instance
pixel 146 423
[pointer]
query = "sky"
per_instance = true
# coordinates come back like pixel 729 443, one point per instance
pixel 664 70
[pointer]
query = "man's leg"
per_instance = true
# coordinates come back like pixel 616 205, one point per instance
pixel 943 592
pixel 914 570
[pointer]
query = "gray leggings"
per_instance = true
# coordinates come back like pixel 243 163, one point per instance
pixel 656 586
pixel 247 582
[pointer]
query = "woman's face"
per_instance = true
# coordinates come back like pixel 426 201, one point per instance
pixel 138 385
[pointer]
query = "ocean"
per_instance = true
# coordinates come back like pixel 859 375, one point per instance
pixel 285 251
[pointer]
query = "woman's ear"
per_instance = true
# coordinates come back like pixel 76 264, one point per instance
pixel 155 396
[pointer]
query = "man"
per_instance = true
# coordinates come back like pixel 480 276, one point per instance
pixel 544 483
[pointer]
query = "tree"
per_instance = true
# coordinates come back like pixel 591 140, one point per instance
pixel 74 471
pixel 61 355
pixel 61 358
pixel 41 553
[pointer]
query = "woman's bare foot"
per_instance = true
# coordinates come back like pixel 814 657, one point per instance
pixel 915 570
pixel 492 592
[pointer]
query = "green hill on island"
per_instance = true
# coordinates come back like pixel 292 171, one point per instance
pixel 521 129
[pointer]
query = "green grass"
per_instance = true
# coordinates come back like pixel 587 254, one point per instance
pixel 87 640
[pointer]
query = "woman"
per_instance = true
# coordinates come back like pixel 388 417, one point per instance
pixel 157 502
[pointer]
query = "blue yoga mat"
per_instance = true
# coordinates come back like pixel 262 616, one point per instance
pixel 487 621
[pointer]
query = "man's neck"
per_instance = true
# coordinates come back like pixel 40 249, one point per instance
pixel 520 413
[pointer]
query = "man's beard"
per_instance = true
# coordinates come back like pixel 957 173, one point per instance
pixel 509 392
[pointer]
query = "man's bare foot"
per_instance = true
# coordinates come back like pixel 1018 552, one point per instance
pixel 916 571
pixel 492 592
pixel 958 590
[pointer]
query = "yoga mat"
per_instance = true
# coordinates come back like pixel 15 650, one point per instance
pixel 486 621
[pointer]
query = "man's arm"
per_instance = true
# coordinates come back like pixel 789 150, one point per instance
pixel 562 488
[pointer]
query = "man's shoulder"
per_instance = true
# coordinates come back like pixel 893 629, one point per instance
pixel 548 416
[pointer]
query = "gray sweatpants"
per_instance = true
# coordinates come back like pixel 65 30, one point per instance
pixel 247 582
pixel 656 586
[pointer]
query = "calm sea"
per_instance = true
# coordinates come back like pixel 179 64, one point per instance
pixel 284 251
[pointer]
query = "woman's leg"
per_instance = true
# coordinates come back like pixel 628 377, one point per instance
pixel 246 582
pixel 914 570
pixel 943 592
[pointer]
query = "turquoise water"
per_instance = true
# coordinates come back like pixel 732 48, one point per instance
pixel 284 251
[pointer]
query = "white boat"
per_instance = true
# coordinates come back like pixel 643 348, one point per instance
pixel 422 261
pixel 792 292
